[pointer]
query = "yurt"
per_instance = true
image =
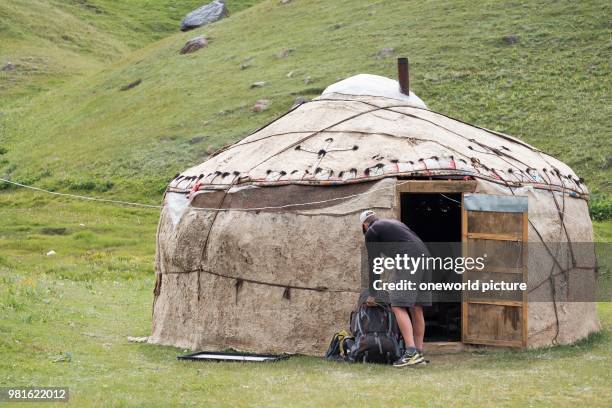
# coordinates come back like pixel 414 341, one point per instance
pixel 259 248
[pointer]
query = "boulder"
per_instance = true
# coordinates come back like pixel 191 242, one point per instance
pixel 258 84
pixel 386 52
pixel 246 63
pixel 207 14
pixel 285 53
pixel 196 140
pixel 9 66
pixel 260 105
pixel 194 44
pixel 131 85
pixel 511 39
pixel 133 339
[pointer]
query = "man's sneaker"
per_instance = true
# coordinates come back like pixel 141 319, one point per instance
pixel 409 358
pixel 422 353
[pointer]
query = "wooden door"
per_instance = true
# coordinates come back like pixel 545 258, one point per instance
pixel 495 226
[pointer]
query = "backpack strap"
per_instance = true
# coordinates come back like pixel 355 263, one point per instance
pixel 360 311
pixel 377 340
pixel 391 321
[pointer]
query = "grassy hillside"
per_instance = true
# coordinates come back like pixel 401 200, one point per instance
pixel 49 42
pixel 537 70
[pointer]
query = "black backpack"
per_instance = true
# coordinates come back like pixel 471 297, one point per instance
pixel 377 336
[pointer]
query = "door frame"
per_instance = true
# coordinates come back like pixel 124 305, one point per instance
pixel 431 186
pixel 439 187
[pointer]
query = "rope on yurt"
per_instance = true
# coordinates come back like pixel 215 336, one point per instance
pixel 387 135
pixel 499 134
pixel 448 198
pixel 561 212
pixel 361 132
pixel 495 152
pixel 565 272
pixel 242 142
pixel 329 200
pixel 223 209
pixel 312 135
pixel 550 278
pixel 389 108
pixel 553 291
pixel 260 129
pixel 320 156
pixel 212 224
pixel 266 283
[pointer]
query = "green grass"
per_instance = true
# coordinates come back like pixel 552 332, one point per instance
pixel 66 318
pixel 550 88
pixel 603 231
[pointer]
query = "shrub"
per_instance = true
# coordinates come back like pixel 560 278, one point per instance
pixel 53 231
pixel 600 209
pixel 89 185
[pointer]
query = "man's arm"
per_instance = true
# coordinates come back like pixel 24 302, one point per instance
pixel 373 249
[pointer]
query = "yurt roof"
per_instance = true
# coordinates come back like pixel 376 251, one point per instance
pixel 362 129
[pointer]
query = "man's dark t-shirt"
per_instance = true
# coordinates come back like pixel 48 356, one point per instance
pixel 391 237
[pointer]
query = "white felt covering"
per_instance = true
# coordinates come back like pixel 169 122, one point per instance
pixel 373 85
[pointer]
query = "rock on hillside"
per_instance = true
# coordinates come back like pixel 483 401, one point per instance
pixel 194 44
pixel 205 15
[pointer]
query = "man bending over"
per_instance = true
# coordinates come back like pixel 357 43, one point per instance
pixel 388 238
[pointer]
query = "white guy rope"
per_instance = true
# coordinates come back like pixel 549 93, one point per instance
pixel 198 208
pixel 300 204
pixel 448 198
pixel 104 200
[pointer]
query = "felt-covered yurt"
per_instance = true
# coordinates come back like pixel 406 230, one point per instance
pixel 259 248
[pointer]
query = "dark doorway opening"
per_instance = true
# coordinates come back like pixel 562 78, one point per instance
pixel 436 218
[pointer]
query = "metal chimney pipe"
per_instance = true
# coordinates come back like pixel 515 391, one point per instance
pixel 403 75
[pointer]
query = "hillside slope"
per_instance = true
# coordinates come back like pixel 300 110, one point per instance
pixel 536 70
pixel 50 41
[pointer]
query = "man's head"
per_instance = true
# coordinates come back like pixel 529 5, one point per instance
pixel 366 218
